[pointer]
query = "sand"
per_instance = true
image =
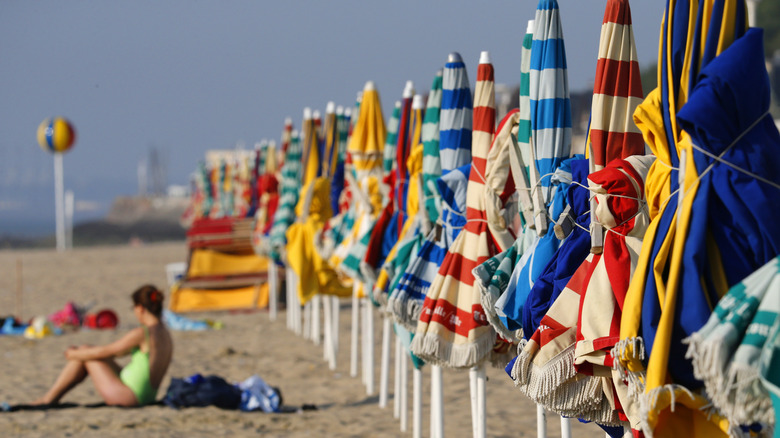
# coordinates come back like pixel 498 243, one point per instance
pixel 248 344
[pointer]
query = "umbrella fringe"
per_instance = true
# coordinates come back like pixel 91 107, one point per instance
pixel 635 380
pixel 406 310
pixel 558 387
pixel 435 350
pixel 488 301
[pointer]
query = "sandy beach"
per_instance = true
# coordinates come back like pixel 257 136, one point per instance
pixel 248 344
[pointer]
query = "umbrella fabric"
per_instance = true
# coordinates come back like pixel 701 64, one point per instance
pixel 726 351
pixel 365 151
pixel 493 277
pixel 617 90
pixel 388 155
pixel 411 214
pixel 385 232
pixel 619 193
pixel 769 370
pixel 454 155
pixel 453 328
pixel 570 254
pixel 268 201
pixel 521 160
pixel 544 369
pixel 286 137
pixel 430 137
pixel 540 251
pixel 315 275
pixel 557 366
pixel 288 197
pixel 550 104
pixel 651 325
pixel 735 151
pixel 427 210
pixel 310 152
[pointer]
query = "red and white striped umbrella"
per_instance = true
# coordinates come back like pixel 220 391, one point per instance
pixel 453 329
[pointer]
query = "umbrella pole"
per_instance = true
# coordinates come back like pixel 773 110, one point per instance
pixel 404 392
pixel 288 299
pixel 480 425
pixel 473 393
pixel 326 326
pixel 334 334
pixel 417 403
pixel 307 320
pixel 384 375
pixel 353 360
pixel 315 319
pixel 565 427
pixel 273 289
pixel 437 403
pixel 369 347
pixel 541 422
pixel 397 382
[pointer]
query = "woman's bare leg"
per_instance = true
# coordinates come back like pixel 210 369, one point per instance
pixel 104 374
pixel 73 374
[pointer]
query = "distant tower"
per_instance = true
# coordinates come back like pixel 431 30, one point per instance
pixel 142 178
pixel 158 174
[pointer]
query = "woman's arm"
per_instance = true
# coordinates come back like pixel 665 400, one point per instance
pixel 117 348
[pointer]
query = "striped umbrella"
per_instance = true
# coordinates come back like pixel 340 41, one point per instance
pixel 315 275
pixel 692 35
pixel 550 174
pixel 365 150
pixel 430 137
pixel 410 215
pixel 389 158
pixel 285 144
pixel 431 169
pixel 452 329
pixel 385 232
pixel 288 197
pixel 550 106
pixel 616 94
pixel 455 156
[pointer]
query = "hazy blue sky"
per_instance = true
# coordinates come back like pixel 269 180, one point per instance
pixel 188 76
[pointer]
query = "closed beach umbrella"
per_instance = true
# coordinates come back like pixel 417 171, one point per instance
pixel 617 92
pixel 453 329
pixel 288 197
pixel 431 170
pixel 455 126
pixel 365 150
pixel 550 105
pixel 728 349
pixel 692 35
pixel 388 156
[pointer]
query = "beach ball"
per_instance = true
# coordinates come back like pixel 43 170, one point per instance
pixel 56 135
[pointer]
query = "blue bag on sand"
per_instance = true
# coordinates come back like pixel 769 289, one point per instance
pixel 198 390
pixel 258 395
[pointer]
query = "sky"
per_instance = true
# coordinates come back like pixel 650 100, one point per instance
pixel 187 76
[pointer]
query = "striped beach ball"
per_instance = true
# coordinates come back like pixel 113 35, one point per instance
pixel 56 135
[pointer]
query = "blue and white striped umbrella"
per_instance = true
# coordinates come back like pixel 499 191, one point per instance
pixel 550 104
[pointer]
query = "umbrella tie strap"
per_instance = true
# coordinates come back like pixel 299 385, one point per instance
pixel 732 165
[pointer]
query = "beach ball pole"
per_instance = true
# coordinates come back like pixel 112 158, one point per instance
pixel 59 202
pixel 69 205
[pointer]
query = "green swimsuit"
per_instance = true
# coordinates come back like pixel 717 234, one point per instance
pixel 136 375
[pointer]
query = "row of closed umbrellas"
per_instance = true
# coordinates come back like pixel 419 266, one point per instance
pixel 597 282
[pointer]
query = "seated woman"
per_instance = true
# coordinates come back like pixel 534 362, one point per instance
pixel 136 384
